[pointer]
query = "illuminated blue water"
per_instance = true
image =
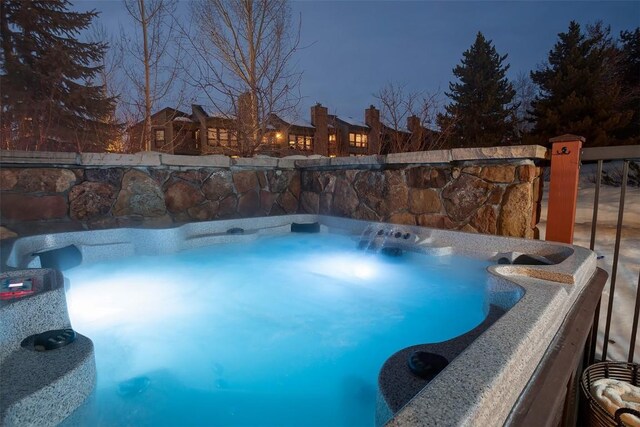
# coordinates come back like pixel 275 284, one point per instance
pixel 285 331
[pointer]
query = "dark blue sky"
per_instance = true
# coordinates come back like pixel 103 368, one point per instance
pixel 355 47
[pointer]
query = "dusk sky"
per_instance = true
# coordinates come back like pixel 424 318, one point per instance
pixel 355 47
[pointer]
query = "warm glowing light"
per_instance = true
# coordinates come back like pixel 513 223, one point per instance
pixel 278 135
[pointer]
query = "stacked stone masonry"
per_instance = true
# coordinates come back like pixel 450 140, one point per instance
pixel 471 196
pixel 491 199
pixel 152 197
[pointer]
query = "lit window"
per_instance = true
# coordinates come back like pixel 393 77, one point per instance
pixel 269 139
pixel 158 137
pixel 358 140
pixel 223 137
pixel 212 136
pixel 217 137
pixel 333 145
pixel 301 142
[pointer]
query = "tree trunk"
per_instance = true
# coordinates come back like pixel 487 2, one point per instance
pixel 147 88
pixel 255 114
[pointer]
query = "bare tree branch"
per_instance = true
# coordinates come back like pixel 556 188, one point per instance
pixel 240 54
pixel 152 63
pixel 398 107
pixel 525 94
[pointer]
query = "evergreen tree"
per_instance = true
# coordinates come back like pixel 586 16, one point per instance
pixel 579 88
pixel 481 109
pixel 629 72
pixel 48 97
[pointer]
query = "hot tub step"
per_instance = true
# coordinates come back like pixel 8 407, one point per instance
pixel 43 388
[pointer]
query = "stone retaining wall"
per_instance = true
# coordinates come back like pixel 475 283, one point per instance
pixel 490 199
pixel 495 190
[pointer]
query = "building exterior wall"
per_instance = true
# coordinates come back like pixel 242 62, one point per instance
pixel 342 130
pixel 179 131
pixel 447 189
pixel 188 134
pixel 215 145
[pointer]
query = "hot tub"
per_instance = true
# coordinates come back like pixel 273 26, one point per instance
pixel 494 335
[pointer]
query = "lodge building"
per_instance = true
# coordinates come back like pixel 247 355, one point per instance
pixel 201 133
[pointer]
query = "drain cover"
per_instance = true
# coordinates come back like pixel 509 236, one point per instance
pixel 426 365
pixel 51 340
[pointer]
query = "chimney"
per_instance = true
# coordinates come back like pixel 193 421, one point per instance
pixel 200 115
pixel 413 123
pixel 417 133
pixel 320 120
pixel 372 119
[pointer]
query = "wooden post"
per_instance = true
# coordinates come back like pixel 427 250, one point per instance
pixel 563 189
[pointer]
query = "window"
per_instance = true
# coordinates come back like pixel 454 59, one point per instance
pixel 268 139
pixel 158 137
pixel 333 145
pixel 212 136
pixel 223 137
pixel 220 137
pixel 358 140
pixel 301 142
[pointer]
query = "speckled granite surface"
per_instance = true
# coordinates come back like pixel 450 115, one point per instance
pixel 43 388
pixel 40 388
pixel 44 310
pixel 397 385
pixel 481 385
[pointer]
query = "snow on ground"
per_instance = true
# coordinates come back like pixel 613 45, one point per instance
pixel 629 257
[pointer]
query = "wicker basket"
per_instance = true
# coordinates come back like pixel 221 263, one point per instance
pixel 599 416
